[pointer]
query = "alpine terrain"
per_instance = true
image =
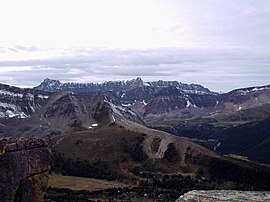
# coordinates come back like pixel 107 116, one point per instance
pixel 109 131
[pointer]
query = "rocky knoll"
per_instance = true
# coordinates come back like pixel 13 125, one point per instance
pixel 224 195
pixel 24 169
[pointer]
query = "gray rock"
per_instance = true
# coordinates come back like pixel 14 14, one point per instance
pixel 225 195
pixel 24 169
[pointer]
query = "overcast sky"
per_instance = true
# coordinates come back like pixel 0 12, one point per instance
pixel 221 44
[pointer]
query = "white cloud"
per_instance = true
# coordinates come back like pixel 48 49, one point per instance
pixel 15 69
pixel 222 44
pixel 215 68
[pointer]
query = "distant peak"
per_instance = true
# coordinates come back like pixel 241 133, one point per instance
pixel 138 82
pixel 55 85
pixel 49 84
pixel 50 80
pixel 139 79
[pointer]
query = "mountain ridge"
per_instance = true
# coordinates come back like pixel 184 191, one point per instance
pixel 167 99
pixel 52 85
pixel 96 136
pixel 160 100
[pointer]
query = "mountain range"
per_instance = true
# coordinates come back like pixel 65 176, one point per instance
pixel 166 99
pixel 109 130
pixel 182 109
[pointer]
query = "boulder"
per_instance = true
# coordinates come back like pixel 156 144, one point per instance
pixel 24 169
pixel 224 195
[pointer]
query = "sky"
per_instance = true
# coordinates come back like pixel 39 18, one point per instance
pixel 221 44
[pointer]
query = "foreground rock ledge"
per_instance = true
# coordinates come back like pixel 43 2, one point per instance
pixel 24 169
pixel 224 195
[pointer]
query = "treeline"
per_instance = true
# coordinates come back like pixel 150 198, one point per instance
pixel 244 176
pixel 82 168
pixel 139 193
pixel 159 188
pixel 134 148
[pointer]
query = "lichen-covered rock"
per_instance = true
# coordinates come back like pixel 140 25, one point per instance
pixel 225 195
pixel 24 169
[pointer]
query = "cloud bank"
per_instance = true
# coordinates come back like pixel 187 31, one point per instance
pixel 220 70
pixel 220 44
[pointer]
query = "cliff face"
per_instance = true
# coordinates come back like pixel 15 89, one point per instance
pixel 24 169
pixel 224 195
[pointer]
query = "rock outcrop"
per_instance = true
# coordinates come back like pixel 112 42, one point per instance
pixel 224 195
pixel 24 169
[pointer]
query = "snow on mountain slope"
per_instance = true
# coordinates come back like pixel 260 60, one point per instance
pixel 167 99
pixel 55 85
pixel 47 113
pixel 18 102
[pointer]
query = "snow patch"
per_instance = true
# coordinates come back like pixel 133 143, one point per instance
pixel 188 103
pixel 144 102
pixel 32 109
pixel 43 96
pixel 146 84
pixel 22 116
pixel 120 110
pixel 263 88
pixel 11 114
pixel 244 92
pixel 3 92
pixel 11 111
pixel 128 105
pixel 30 96
pixel 198 92
pixel 8 106
pixel 218 144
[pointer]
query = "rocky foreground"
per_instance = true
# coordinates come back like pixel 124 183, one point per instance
pixel 24 166
pixel 224 195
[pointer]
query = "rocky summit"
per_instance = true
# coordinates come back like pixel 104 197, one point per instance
pixel 51 85
pixel 224 195
pixel 158 100
pixel 24 165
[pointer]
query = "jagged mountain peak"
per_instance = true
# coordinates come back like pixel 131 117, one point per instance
pixel 52 85
pixel 138 82
pixel 169 98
